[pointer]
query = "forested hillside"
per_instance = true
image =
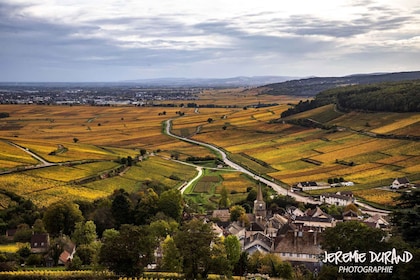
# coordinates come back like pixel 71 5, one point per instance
pixel 381 97
pixel 386 97
pixel 315 85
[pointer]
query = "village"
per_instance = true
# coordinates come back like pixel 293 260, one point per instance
pixel 294 234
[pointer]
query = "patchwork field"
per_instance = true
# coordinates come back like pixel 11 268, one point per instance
pixel 280 149
pixel 91 139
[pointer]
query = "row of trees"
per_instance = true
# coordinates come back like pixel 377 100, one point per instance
pixel 385 97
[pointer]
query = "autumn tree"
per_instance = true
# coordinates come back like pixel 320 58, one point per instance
pixel 270 264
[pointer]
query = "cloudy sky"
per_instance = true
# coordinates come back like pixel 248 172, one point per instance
pixel 114 40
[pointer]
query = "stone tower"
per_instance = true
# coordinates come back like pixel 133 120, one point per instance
pixel 260 209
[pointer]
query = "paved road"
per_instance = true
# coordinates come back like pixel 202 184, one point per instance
pixel 273 185
pixel 280 190
pixel 38 158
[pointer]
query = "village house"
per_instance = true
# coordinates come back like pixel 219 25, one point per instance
pixel 222 215
pixel 350 215
pixel 314 219
pixel 307 186
pixel 40 243
pixel 298 246
pixel 66 257
pixel 377 221
pixel 10 234
pixel 258 242
pixel 400 183
pixel 337 199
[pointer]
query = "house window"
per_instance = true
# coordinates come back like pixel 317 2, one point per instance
pixel 42 243
pixel 35 244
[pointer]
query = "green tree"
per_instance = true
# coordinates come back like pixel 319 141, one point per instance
pixel 122 208
pixel 23 233
pixel 270 264
pixel 233 250
pixel 351 236
pixel 128 252
pixel 219 262
pixel 224 199
pixel 160 229
pixel 87 253
pixel 102 216
pixel 39 226
pixel 146 207
pixel 171 204
pixel 61 217
pixel 236 212
pixel 406 217
pixel 171 260
pixel 84 233
pixel 193 242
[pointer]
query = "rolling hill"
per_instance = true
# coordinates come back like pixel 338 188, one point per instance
pixel 314 85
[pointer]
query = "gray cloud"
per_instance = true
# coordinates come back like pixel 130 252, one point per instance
pixel 257 43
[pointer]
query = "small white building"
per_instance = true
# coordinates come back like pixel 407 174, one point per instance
pixel 336 199
pixel 400 183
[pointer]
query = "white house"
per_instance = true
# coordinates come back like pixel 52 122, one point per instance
pixel 336 199
pixel 400 183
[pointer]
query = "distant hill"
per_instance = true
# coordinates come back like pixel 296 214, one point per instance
pixel 312 86
pixel 241 81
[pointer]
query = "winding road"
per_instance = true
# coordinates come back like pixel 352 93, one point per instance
pixel 227 161
pixel 276 187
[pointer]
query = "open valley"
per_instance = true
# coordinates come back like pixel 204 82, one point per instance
pixel 84 141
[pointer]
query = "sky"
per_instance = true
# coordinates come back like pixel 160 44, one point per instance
pixel 117 40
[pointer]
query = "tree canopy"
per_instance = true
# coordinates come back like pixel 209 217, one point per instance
pixel 128 251
pixel 61 217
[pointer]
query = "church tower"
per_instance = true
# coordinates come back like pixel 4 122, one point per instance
pixel 260 209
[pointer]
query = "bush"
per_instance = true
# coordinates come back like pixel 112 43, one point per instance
pixel 34 259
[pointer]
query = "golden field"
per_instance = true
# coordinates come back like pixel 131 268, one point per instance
pixel 376 161
pixel 250 135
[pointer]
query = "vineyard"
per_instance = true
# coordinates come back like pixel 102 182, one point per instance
pixel 91 141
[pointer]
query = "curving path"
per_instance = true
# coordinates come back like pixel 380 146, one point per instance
pixel 236 166
pixel 280 190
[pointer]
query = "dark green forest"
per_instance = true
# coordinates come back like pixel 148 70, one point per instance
pixel 381 97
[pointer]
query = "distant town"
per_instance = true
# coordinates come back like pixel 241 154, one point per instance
pixel 93 94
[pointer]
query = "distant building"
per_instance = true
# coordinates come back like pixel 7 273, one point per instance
pixel 400 183
pixel 257 241
pixel 310 185
pixel 336 199
pixel 223 215
pixel 40 242
pixel 377 221
pixel 350 215
pixel 260 208
pixel 298 246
